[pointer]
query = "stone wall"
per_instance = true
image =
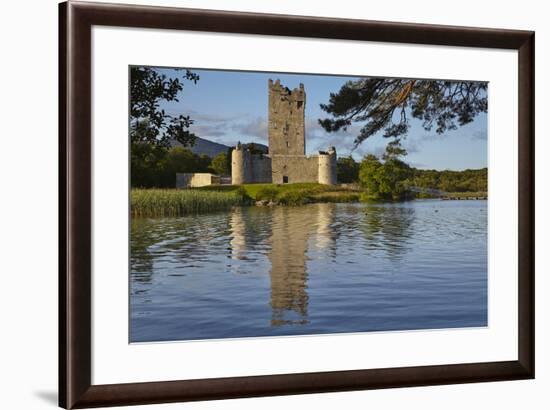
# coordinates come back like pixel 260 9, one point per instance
pixel 261 169
pixel 249 169
pixel 195 180
pixel 297 168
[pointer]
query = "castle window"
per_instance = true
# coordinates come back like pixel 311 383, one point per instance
pixel 285 179
pixel 300 103
pixel 287 144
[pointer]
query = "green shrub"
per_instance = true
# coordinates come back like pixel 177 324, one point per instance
pixel 268 193
pixel 241 193
pixel 366 197
pixel 294 198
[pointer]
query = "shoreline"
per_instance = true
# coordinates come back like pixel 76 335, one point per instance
pixel 179 202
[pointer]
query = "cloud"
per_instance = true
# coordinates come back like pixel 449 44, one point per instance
pixel 208 131
pixel 412 146
pixel 228 129
pixel 344 141
pixel 253 127
pixel 431 137
pixel 211 118
pixel 217 127
pixel 225 128
pixel 319 139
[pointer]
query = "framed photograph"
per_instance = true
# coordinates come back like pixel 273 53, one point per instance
pixel 256 204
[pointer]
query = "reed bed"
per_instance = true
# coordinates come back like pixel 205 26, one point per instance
pixel 177 202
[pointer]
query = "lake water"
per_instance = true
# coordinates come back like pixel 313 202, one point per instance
pixel 314 269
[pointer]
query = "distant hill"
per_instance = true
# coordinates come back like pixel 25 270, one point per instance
pixel 210 148
pixel 205 147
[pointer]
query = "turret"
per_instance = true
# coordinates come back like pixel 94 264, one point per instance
pixel 327 167
pixel 240 165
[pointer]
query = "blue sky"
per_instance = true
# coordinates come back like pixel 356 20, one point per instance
pixel 231 106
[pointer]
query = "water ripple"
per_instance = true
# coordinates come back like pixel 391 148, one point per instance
pixel 320 268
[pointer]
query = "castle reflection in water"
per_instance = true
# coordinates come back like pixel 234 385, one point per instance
pixel 312 269
pixel 292 231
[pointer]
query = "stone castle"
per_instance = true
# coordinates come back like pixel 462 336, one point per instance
pixel 286 161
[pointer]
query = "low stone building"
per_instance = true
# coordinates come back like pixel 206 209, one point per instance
pixel 195 180
pixel 286 161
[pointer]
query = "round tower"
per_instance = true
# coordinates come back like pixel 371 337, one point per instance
pixel 327 167
pixel 240 165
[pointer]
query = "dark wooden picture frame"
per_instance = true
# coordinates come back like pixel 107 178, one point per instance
pixel 75 194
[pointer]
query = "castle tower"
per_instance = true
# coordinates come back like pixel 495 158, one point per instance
pixel 327 167
pixel 286 127
pixel 240 165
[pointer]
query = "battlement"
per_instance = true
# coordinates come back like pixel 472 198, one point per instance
pixel 296 95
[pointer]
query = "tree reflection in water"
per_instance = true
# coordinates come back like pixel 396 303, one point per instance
pixel 388 228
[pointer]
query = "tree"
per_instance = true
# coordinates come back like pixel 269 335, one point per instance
pixel 347 170
pixel 219 164
pixel 392 178
pixel 383 104
pixel 368 172
pixel 394 151
pixel 179 159
pixel 148 122
pixel 156 166
pixel 203 163
pixel 387 180
pixel 469 180
pixel 146 164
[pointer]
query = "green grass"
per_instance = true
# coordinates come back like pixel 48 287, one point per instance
pixel 292 194
pixel 304 187
pixel 253 189
pixel 176 202
pixel 299 193
pixel 268 193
